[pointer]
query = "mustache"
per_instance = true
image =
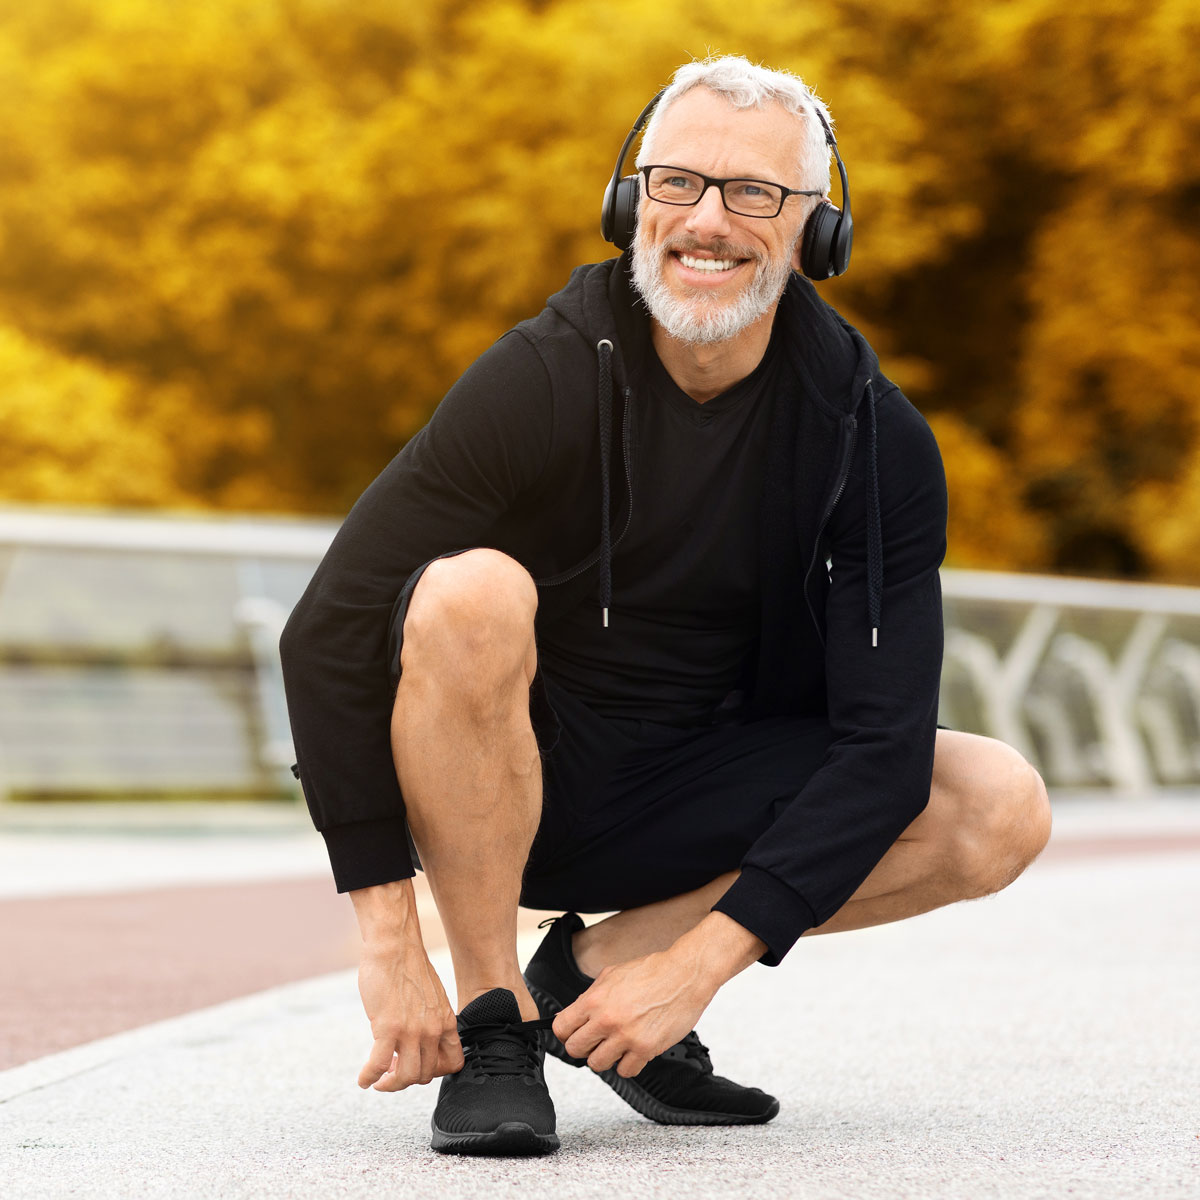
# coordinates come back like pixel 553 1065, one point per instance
pixel 684 244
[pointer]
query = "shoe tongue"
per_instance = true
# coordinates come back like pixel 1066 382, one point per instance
pixel 492 1008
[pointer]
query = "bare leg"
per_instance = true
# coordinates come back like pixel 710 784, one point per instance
pixel 639 931
pixel 988 818
pixel 467 758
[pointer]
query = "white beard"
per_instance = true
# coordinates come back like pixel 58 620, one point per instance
pixel 702 321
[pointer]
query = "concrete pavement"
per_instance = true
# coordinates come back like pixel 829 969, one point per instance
pixel 1041 1043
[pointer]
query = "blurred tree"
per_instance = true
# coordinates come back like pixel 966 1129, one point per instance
pixel 195 197
pixel 73 430
pixel 306 217
pixel 1108 431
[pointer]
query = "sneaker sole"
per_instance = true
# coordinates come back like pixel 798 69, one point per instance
pixel 632 1093
pixel 512 1138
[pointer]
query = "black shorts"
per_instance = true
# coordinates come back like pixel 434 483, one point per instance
pixel 634 811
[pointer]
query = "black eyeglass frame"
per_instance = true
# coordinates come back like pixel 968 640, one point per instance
pixel 719 184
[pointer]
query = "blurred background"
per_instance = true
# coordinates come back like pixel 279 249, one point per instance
pixel 246 245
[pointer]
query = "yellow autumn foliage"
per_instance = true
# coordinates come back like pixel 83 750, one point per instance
pixel 983 500
pixel 251 242
pixel 73 430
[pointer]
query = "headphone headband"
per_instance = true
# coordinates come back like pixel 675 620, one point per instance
pixel 615 195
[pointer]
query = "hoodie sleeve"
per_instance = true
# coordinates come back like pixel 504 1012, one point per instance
pixel 882 700
pixel 485 446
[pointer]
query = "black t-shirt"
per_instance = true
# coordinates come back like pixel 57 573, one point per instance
pixel 685 599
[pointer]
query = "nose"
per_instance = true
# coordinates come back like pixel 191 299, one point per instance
pixel 708 217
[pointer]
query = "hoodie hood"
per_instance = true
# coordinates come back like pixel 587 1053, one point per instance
pixel 601 303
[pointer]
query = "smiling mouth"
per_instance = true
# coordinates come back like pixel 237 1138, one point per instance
pixel 708 264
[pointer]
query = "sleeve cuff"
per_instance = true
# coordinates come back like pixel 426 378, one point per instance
pixel 369 852
pixel 769 909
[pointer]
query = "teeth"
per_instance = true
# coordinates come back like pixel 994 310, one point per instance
pixel 707 264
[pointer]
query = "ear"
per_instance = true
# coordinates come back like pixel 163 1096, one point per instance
pixel 798 248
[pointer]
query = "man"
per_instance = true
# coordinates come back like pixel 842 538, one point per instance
pixel 645 621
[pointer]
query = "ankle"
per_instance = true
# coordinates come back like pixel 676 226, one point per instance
pixel 525 1002
pixel 620 939
pixel 588 951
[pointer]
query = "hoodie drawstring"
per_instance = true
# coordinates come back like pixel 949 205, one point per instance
pixel 874 523
pixel 605 348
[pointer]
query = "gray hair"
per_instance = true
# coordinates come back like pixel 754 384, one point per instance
pixel 745 85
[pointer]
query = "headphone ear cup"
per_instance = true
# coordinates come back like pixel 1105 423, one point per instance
pixel 820 234
pixel 843 241
pixel 606 212
pixel 618 214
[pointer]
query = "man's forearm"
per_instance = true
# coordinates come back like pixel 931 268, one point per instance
pixel 387 913
pixel 720 947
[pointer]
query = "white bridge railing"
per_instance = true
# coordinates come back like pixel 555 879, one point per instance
pixel 1095 681
pixel 138 656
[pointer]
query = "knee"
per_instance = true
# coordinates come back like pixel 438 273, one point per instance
pixel 471 616
pixel 1003 822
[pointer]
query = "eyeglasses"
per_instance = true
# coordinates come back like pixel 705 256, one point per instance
pixel 745 197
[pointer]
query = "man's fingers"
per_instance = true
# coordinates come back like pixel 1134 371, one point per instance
pixel 427 1063
pixel 450 1054
pixel 393 1065
pixel 441 1054
pixel 378 1063
pixel 406 1004
pixel 602 1057
pixel 408 1068
pixel 567 1021
pixel 609 1054
pixel 631 1064
pixel 583 1041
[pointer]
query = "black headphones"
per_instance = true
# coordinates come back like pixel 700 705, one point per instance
pixel 828 233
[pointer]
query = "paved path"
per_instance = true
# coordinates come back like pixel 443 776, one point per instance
pixel 108 928
pixel 1042 1043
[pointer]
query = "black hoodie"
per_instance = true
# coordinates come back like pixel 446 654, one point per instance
pixel 854 519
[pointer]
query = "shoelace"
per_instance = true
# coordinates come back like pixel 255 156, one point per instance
pixel 693 1047
pixel 502 1048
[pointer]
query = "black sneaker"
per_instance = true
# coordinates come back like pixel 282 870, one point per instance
pixel 676 1088
pixel 498 1102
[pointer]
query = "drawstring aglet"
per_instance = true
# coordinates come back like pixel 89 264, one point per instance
pixel 606 618
pixel 875 636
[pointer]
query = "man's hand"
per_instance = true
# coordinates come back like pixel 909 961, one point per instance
pixel 640 1008
pixel 414 1027
pixel 415 1030
pixel 633 1012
